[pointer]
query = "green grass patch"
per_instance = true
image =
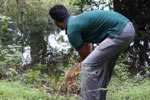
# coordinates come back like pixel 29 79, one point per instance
pixel 16 91
pixel 128 90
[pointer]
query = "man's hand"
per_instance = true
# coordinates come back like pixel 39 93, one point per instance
pixel 78 91
pixel 85 50
pixel 74 71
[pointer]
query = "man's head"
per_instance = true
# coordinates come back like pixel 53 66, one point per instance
pixel 59 13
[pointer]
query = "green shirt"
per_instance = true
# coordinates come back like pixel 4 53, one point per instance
pixel 94 26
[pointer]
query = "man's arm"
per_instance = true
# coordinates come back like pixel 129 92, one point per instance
pixel 85 50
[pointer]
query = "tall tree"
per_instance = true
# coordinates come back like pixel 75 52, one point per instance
pixel 33 23
pixel 34 27
pixel 85 5
pixel 138 12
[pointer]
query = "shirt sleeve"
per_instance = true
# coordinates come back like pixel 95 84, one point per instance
pixel 75 39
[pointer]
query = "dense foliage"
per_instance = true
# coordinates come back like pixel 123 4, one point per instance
pixel 31 26
pixel 26 23
pixel 9 51
pixel 138 12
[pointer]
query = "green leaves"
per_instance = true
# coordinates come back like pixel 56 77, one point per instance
pixel 9 57
pixel 3 22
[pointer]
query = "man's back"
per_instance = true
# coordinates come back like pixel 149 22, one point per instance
pixel 94 26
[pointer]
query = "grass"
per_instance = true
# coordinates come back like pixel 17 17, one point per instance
pixel 128 89
pixel 16 91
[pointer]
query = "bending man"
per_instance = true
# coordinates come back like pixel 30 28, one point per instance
pixel 112 32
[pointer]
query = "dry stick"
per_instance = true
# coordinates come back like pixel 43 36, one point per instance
pixel 60 87
pixel 69 82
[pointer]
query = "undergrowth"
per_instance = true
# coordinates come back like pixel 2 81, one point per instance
pixel 128 89
pixel 16 91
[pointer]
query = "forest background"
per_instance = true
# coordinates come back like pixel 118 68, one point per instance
pixel 32 67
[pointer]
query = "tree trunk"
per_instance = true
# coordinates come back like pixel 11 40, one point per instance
pixel 138 12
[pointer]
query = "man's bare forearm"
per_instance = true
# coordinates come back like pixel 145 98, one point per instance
pixel 85 50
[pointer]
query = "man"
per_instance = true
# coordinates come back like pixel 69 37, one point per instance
pixel 111 30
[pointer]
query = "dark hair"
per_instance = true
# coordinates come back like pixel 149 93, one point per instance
pixel 58 12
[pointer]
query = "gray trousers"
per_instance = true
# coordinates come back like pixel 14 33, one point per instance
pixel 96 70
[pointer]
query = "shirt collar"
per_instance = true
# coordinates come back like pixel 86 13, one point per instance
pixel 66 22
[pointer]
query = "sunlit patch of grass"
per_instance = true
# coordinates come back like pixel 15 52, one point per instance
pixel 16 91
pixel 129 90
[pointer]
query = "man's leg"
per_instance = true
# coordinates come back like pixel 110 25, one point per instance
pixel 95 78
pixel 104 76
pixel 97 68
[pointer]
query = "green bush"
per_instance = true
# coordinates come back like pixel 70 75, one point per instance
pixel 121 68
pixel 9 52
pixel 31 76
pixel 9 60
pixel 121 71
